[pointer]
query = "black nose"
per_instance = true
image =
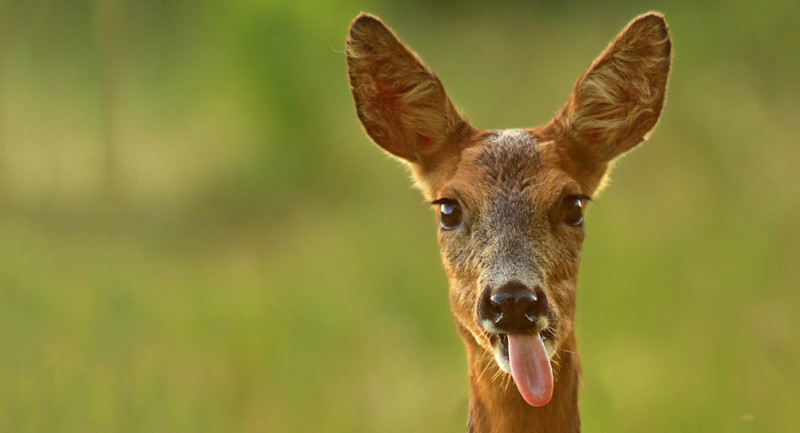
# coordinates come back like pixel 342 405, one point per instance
pixel 513 308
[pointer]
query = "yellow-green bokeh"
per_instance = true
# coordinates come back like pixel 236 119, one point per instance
pixel 196 235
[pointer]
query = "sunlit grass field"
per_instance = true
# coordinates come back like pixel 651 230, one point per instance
pixel 196 234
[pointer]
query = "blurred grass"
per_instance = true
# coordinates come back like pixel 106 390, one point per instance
pixel 197 235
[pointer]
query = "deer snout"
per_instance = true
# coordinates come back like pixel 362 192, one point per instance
pixel 513 309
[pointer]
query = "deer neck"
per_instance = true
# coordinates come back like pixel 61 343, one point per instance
pixel 496 405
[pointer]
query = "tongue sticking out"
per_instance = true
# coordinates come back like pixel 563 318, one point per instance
pixel 530 368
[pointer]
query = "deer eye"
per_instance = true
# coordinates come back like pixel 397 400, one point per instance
pixel 572 210
pixel 450 214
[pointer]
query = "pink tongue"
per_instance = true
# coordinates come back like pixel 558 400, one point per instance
pixel 530 368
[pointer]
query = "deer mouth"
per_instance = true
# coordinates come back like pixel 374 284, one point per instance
pixel 499 342
pixel 527 358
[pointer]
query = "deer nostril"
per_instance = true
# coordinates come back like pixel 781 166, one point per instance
pixel 532 313
pixel 495 308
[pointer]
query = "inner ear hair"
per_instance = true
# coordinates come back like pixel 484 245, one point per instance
pixel 401 103
pixel 618 100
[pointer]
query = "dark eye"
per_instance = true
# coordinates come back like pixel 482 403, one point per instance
pixel 450 214
pixel 572 211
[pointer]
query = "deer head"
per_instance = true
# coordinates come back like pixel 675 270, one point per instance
pixel 510 202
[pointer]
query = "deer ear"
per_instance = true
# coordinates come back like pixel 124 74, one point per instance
pixel 618 100
pixel 399 100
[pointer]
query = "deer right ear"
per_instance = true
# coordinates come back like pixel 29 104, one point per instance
pixel 399 100
pixel 618 100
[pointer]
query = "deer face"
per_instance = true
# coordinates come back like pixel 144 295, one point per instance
pixel 513 254
pixel 510 202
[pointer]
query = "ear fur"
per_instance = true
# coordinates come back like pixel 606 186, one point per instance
pixel 399 100
pixel 617 101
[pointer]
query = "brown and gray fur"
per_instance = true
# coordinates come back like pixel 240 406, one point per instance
pixel 511 184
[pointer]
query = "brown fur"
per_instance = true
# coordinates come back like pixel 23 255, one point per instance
pixel 511 186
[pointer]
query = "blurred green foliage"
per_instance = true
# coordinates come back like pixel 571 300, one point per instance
pixel 196 235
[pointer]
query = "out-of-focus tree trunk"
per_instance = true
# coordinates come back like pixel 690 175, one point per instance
pixel 3 41
pixel 109 24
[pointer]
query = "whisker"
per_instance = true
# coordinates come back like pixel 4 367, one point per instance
pixel 497 374
pixel 488 364
pixel 508 381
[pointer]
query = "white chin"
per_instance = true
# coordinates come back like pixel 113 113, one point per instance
pixel 501 358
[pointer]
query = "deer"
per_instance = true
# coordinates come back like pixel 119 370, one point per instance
pixel 510 206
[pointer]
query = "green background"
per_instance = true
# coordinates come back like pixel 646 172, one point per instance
pixel 196 234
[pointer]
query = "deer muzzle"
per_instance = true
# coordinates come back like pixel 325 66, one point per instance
pixel 518 318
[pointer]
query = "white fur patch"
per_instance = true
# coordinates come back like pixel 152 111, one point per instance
pixel 512 133
pixel 501 359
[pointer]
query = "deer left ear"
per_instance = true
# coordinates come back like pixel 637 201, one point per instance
pixel 618 100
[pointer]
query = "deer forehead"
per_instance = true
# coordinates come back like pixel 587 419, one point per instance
pixel 509 172
pixel 509 182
